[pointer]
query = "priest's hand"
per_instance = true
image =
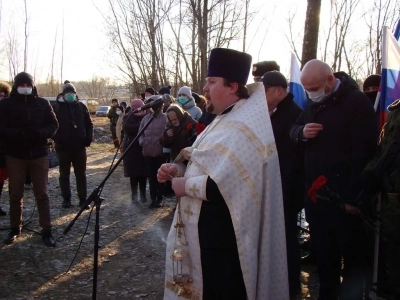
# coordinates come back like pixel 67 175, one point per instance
pixel 178 185
pixel 166 172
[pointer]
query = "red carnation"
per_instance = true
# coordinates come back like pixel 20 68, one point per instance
pixel 199 128
pixel 189 126
pixel 315 187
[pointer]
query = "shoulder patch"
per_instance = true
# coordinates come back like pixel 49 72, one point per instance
pixel 395 105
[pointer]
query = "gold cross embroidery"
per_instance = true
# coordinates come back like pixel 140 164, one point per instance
pixel 188 211
pixel 194 189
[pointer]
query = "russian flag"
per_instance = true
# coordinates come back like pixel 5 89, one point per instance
pixel 295 86
pixel 390 82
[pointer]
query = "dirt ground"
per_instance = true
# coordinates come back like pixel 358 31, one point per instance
pixel 132 243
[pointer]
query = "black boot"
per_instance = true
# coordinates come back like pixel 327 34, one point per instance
pixel 134 187
pixel 158 203
pixel 66 202
pixel 11 236
pixel 48 239
pixel 142 188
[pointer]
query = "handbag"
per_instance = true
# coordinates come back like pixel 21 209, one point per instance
pixel 53 159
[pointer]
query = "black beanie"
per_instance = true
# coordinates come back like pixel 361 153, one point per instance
pixel 68 88
pixel 262 67
pixel 372 80
pixel 23 78
pixel 150 90
pixel 165 90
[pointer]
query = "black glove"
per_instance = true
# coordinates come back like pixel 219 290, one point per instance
pixel 87 142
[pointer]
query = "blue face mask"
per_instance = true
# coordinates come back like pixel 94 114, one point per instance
pixel 183 100
pixel 70 97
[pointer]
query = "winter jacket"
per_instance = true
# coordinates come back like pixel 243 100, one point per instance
pixel 75 130
pixel 149 140
pixel 192 109
pixel 26 122
pixel 341 150
pixel 112 115
pixel 134 162
pixel 291 155
pixel 182 133
pixel 118 127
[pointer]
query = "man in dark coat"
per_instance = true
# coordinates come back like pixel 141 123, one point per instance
pixel 284 112
pixel 134 161
pixel 112 115
pixel 339 133
pixel 26 122
pixel 74 134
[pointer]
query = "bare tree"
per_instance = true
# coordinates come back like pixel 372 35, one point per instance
pixel 26 25
pixel 381 13
pixel 98 88
pixel 155 54
pixel 311 30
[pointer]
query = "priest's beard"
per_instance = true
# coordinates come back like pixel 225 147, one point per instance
pixel 210 108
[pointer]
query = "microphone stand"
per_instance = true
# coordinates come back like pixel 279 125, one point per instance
pixel 97 200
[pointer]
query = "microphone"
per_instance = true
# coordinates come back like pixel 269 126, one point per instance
pixel 149 105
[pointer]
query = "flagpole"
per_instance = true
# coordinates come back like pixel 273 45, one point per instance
pixel 378 95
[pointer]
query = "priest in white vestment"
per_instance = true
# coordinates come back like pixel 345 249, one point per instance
pixel 227 240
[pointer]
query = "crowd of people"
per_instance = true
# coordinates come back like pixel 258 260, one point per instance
pixel 239 160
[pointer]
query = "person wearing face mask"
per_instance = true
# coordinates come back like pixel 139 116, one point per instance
pixel 186 101
pixel 5 90
pixel 134 161
pixel 178 130
pixel 339 134
pixel 26 122
pixel 118 128
pixel 73 136
pixel 371 88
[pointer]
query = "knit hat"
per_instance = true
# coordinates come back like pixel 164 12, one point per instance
pixel 165 90
pixel 136 103
pixel 274 78
pixel 186 91
pixel 372 80
pixel 229 64
pixel 150 90
pixel 123 104
pixel 68 88
pixel 23 78
pixel 263 67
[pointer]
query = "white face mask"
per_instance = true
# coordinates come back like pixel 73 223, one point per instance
pixel 317 96
pixel 119 112
pixel 24 90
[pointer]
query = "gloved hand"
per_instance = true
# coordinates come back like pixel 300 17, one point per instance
pixel 87 142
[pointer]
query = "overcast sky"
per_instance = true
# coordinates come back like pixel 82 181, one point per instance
pixel 86 47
